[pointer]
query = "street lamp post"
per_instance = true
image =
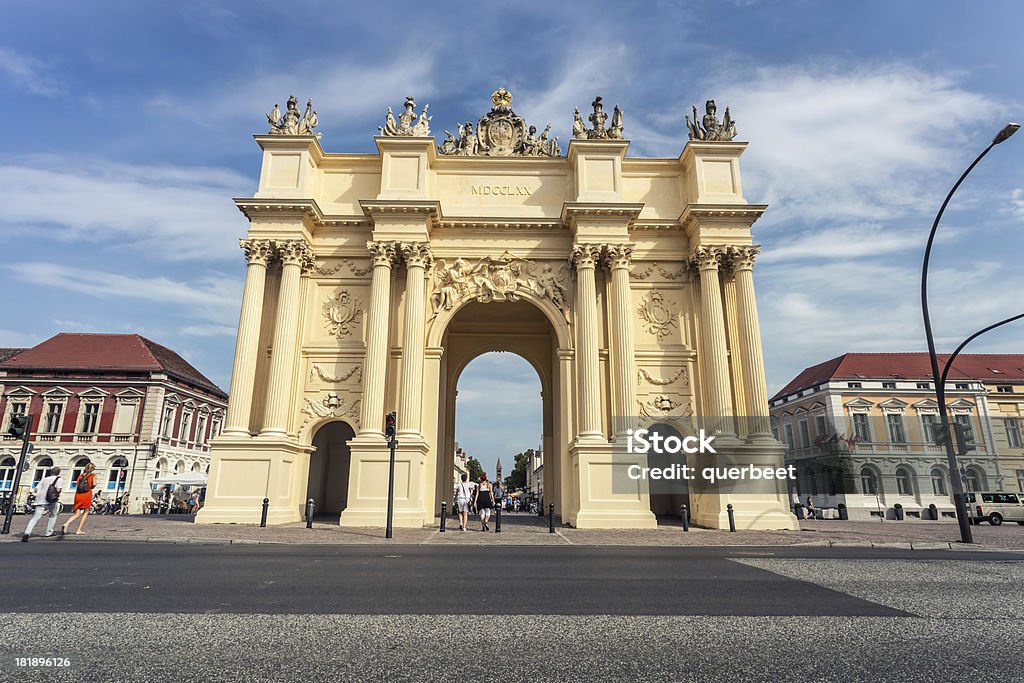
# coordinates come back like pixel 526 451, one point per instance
pixel 937 376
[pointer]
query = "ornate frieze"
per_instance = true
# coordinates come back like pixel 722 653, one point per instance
pixel 257 251
pixel 598 119
pixel 341 314
pixel 500 133
pixel 656 313
pixel 656 267
pixel 318 372
pixel 665 407
pixel 355 269
pixel 291 122
pixel 642 375
pixel 710 129
pixel 404 126
pixel 497 279
pixel 331 405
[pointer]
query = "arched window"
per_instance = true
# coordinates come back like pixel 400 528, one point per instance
pixel 938 481
pixel 77 470
pixel 975 479
pixel 180 467
pixel 117 479
pixel 869 482
pixel 42 467
pixel 904 481
pixel 7 468
pixel 196 467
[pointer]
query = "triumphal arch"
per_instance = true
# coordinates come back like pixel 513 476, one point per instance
pixel 374 279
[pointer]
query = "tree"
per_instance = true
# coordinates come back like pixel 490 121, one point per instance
pixel 475 469
pixel 517 480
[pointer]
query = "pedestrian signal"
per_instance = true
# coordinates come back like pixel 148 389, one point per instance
pixel 389 425
pixel 19 425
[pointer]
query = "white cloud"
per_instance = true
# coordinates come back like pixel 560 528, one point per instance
pixel 846 242
pixel 1017 203
pixel 172 212
pixel 29 73
pixel 214 298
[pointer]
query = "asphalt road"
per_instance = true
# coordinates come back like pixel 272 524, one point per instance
pixel 137 612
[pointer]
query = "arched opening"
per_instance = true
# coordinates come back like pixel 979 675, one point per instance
pixel 975 479
pixel 939 482
pixel 531 342
pixel 906 482
pixel 329 465
pixel 42 467
pixel 7 468
pixel 871 483
pixel 117 477
pixel 667 496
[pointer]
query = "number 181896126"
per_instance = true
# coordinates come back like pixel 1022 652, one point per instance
pixel 42 661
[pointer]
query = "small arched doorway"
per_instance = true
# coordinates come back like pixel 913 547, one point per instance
pixel 329 465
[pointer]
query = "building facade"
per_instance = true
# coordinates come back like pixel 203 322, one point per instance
pixel 374 279
pixel 133 408
pixel 861 428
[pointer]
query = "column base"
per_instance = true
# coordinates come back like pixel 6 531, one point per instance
pixel 368 483
pixel 603 505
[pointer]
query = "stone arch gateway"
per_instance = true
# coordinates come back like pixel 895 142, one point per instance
pixel 374 278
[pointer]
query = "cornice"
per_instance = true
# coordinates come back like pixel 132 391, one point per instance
pixel 296 208
pixel 489 223
pixel 421 207
pixel 721 213
pixel 573 211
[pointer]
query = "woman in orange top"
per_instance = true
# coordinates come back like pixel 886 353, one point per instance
pixel 84 485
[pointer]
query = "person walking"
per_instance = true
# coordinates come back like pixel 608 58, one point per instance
pixel 810 508
pixel 84 485
pixel 463 495
pixel 47 493
pixel 484 501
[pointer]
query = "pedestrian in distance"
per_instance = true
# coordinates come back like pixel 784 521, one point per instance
pixel 47 499
pixel 463 495
pixel 810 508
pixel 484 502
pixel 84 485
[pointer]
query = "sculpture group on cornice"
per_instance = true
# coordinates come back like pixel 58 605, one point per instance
pixel 710 129
pixel 598 120
pixel 404 126
pixel 500 133
pixel 290 123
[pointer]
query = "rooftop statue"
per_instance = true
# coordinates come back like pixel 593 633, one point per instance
pixel 291 123
pixel 499 133
pixel 404 126
pixel 710 129
pixel 599 118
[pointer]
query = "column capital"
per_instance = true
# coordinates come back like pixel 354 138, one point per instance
pixel 585 255
pixel 383 253
pixel 618 256
pixel 707 258
pixel 742 258
pixel 296 252
pixel 257 251
pixel 417 254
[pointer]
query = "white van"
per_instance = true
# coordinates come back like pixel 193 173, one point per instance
pixel 995 508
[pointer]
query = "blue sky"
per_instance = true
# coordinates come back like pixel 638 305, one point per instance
pixel 128 131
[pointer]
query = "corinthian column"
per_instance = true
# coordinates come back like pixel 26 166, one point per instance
pixel 295 257
pixel 584 257
pixel 410 398
pixel 750 341
pixel 257 253
pixel 715 361
pixel 378 322
pixel 617 259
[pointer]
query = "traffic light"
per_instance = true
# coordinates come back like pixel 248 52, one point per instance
pixel 964 437
pixel 389 425
pixel 941 435
pixel 19 425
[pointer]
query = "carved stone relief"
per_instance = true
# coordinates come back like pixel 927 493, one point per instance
pixel 341 314
pixel 331 405
pixel 317 371
pixel 497 279
pixel 642 375
pixel 656 267
pixel 655 311
pixel 664 407
pixel 350 263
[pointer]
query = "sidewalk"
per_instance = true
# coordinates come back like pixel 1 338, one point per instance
pixel 523 529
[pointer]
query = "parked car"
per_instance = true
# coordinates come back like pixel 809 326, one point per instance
pixel 995 508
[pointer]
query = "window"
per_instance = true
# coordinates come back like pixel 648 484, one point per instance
pixel 861 428
pixel 897 431
pixel 42 467
pixel 54 412
pixel 965 420
pixel 1020 480
pixel 116 479
pixel 124 416
pixel 888 385
pixel 201 429
pixel 775 432
pixel 90 418
pixel 854 385
pixel 962 385
pixel 820 425
pixel 924 385
pixel 938 482
pixel 1012 432
pixel 789 436
pixel 975 480
pixel 868 482
pixel 1004 389
pixel 904 482
pixel 8 466
pixel 929 427
pixel 184 426
pixel 77 470
pixel 805 434
pixel 17 409
pixel 165 428
pixel 215 429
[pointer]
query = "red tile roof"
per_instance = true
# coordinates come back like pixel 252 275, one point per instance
pixel 986 367
pixel 108 352
pixel 9 353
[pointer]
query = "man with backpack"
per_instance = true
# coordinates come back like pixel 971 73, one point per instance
pixel 47 493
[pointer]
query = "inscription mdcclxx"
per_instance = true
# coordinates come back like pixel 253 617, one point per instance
pixel 503 190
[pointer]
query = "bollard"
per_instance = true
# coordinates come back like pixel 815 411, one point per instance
pixel 497 519
pixel 551 518
pixel 263 517
pixel 686 517
pixel 444 515
pixel 732 518
pixel 310 507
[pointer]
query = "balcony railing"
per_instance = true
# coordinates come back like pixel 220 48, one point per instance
pixel 876 448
